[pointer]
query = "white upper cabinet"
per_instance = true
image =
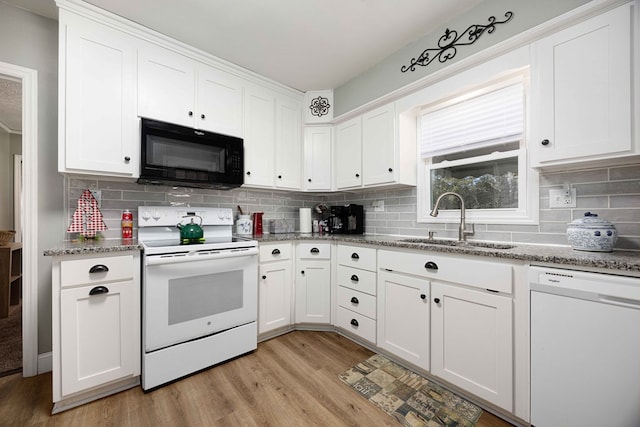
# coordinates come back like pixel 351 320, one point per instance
pixel 272 139
pixel 349 154
pixel 98 128
pixel 378 145
pixel 317 158
pixel 219 101
pixel 259 137
pixel 166 86
pixel 581 91
pixel 176 89
pixel 376 149
pixel 288 147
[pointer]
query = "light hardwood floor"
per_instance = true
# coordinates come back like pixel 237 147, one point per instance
pixel 291 380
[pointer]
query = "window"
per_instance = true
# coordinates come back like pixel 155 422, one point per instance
pixel 474 144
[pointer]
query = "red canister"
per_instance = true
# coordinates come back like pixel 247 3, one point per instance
pixel 127 224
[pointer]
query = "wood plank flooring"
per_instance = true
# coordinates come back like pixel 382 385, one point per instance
pixel 291 380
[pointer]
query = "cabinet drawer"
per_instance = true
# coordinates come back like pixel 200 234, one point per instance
pixel 314 250
pixel 275 251
pixel 356 301
pixel 359 280
pixel 107 269
pixel 357 324
pixel 356 256
pixel 461 269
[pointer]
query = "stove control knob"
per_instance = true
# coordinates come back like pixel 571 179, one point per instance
pixel 220 215
pixel 146 215
pixel 156 215
pixel 227 215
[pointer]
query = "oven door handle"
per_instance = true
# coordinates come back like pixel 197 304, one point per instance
pixel 195 256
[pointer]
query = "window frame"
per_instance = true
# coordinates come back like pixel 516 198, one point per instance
pixel 528 179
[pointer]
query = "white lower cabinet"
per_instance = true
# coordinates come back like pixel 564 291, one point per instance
pixel 471 341
pixel 96 326
pixel 403 317
pixel 313 283
pixel 451 315
pixel 275 286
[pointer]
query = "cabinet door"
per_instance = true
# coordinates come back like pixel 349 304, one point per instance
pixel 349 154
pixel 379 146
pixel 581 90
pixel 98 342
pixel 403 317
pixel 274 294
pixel 317 158
pixel 166 86
pixel 219 102
pixel 259 137
pixel 313 292
pixel 471 341
pixel 98 125
pixel 288 147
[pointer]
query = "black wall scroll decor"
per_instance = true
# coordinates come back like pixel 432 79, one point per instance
pixel 448 43
pixel 320 106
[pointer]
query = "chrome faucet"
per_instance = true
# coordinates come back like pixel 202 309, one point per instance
pixel 462 231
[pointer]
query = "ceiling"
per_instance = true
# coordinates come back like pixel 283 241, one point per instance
pixel 304 44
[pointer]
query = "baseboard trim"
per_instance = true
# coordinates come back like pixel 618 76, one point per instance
pixel 45 363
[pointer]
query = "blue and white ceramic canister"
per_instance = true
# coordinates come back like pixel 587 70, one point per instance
pixel 592 234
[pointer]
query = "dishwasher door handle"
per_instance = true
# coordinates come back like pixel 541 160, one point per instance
pixel 621 302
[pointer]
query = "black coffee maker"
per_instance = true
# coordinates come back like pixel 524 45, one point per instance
pixel 347 219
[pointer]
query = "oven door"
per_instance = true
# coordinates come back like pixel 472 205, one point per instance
pixel 189 296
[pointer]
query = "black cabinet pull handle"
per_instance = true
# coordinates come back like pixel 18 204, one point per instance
pixel 545 142
pixel 423 296
pixel 309 179
pixel 430 265
pixel 436 300
pixel 357 175
pixel 279 176
pixel 190 113
pixel 275 252
pixel 302 272
pixel 202 116
pixel 354 322
pixel 355 300
pixel 264 277
pixel 248 172
pixel 355 256
pixel 390 169
pixel 99 268
pixel 99 290
pixel 315 250
pixel 354 278
pixel 127 159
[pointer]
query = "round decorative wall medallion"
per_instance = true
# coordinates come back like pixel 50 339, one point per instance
pixel 320 106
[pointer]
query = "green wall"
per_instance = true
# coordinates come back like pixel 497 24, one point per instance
pixel 386 76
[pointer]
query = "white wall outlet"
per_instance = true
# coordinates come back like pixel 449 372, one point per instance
pixel 378 206
pixel 97 194
pixel 562 198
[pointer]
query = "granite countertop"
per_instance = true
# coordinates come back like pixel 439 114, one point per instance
pixel 97 246
pixel 628 261
pixel 622 261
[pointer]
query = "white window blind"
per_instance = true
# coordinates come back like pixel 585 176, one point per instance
pixel 482 121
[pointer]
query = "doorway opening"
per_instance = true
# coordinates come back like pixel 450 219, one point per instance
pixel 27 211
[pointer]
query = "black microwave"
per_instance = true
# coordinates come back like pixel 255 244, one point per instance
pixel 184 157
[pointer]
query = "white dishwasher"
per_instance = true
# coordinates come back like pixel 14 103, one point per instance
pixel 585 349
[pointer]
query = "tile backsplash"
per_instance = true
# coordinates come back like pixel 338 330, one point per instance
pixel 611 192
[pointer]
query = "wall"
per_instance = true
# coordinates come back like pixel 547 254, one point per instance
pixel 31 41
pixel 118 196
pixel 386 77
pixel 6 179
pixel 613 193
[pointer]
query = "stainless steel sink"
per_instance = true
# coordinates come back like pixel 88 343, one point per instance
pixel 446 242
